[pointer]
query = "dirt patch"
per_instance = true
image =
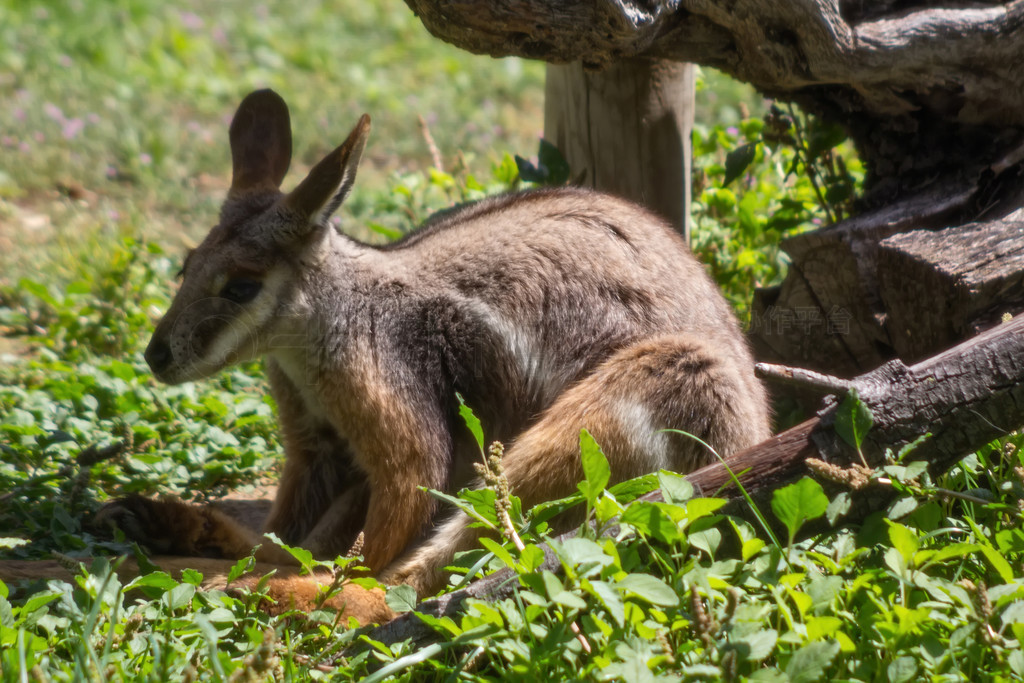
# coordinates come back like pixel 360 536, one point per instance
pixel 15 347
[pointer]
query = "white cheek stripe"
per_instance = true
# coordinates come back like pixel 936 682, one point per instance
pixel 246 326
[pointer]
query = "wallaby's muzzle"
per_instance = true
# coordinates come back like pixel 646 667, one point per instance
pixel 158 356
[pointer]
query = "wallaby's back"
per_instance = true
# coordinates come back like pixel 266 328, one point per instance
pixel 527 292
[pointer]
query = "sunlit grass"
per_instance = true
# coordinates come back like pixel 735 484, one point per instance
pixel 116 113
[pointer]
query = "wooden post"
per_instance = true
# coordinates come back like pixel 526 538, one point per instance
pixel 626 130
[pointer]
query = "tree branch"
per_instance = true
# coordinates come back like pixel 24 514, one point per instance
pixel 907 82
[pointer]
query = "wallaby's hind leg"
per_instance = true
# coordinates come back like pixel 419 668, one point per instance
pixel 320 503
pixel 672 382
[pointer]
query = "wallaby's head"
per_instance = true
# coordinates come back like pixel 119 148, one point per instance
pixel 240 287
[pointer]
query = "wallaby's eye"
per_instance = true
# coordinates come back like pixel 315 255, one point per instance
pixel 241 290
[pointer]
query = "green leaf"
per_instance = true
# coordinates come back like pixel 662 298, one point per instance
pixel 707 540
pixel 808 664
pixel 998 563
pixel 737 161
pixel 191 576
pixel 958 550
pixel 551 168
pixel 301 555
pixel 1013 614
pixel 121 370
pixel 839 192
pixel 557 593
pixel 499 551
pixel 757 645
pixel 915 469
pixel 38 290
pixel 241 567
pixel 894 559
pixel 1016 662
pixel 839 506
pixel 1008 540
pixel 584 554
pixel 652 520
pixel 608 596
pixel 596 471
pixel 158 579
pixel 481 502
pixel 697 508
pixel 180 596
pixel 649 588
pixel 674 487
pixel 822 627
pixel 751 548
pixel 552 159
pixel 799 503
pixel 853 419
pixel 472 422
pixel 6 614
pixel 823 136
pixel 39 600
pixel 401 598
pixel 903 540
pixel 477 503
pixel 633 667
pixel 530 558
pixel 606 508
pixel 823 589
pixel 910 447
pixel 902 507
pixel 902 669
pixel 79 287
pixel 506 171
pixel 631 489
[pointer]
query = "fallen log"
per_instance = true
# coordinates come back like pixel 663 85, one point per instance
pixel 963 398
pixel 940 287
pixel 903 281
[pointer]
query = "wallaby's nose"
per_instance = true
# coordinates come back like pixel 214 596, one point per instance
pixel 158 355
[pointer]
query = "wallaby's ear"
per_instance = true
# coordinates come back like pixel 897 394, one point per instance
pixel 329 182
pixel 261 143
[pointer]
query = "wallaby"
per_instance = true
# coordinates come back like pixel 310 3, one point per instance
pixel 548 310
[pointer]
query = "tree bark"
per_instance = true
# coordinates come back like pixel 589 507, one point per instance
pixel 941 287
pixel 963 398
pixel 926 87
pixel 626 130
pixel 889 284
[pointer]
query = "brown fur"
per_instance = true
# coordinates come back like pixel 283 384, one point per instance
pixel 549 311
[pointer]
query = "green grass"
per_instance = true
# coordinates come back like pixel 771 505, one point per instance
pixel 116 113
pixel 113 156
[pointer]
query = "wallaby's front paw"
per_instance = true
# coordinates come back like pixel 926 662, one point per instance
pixel 166 527
pixel 302 593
